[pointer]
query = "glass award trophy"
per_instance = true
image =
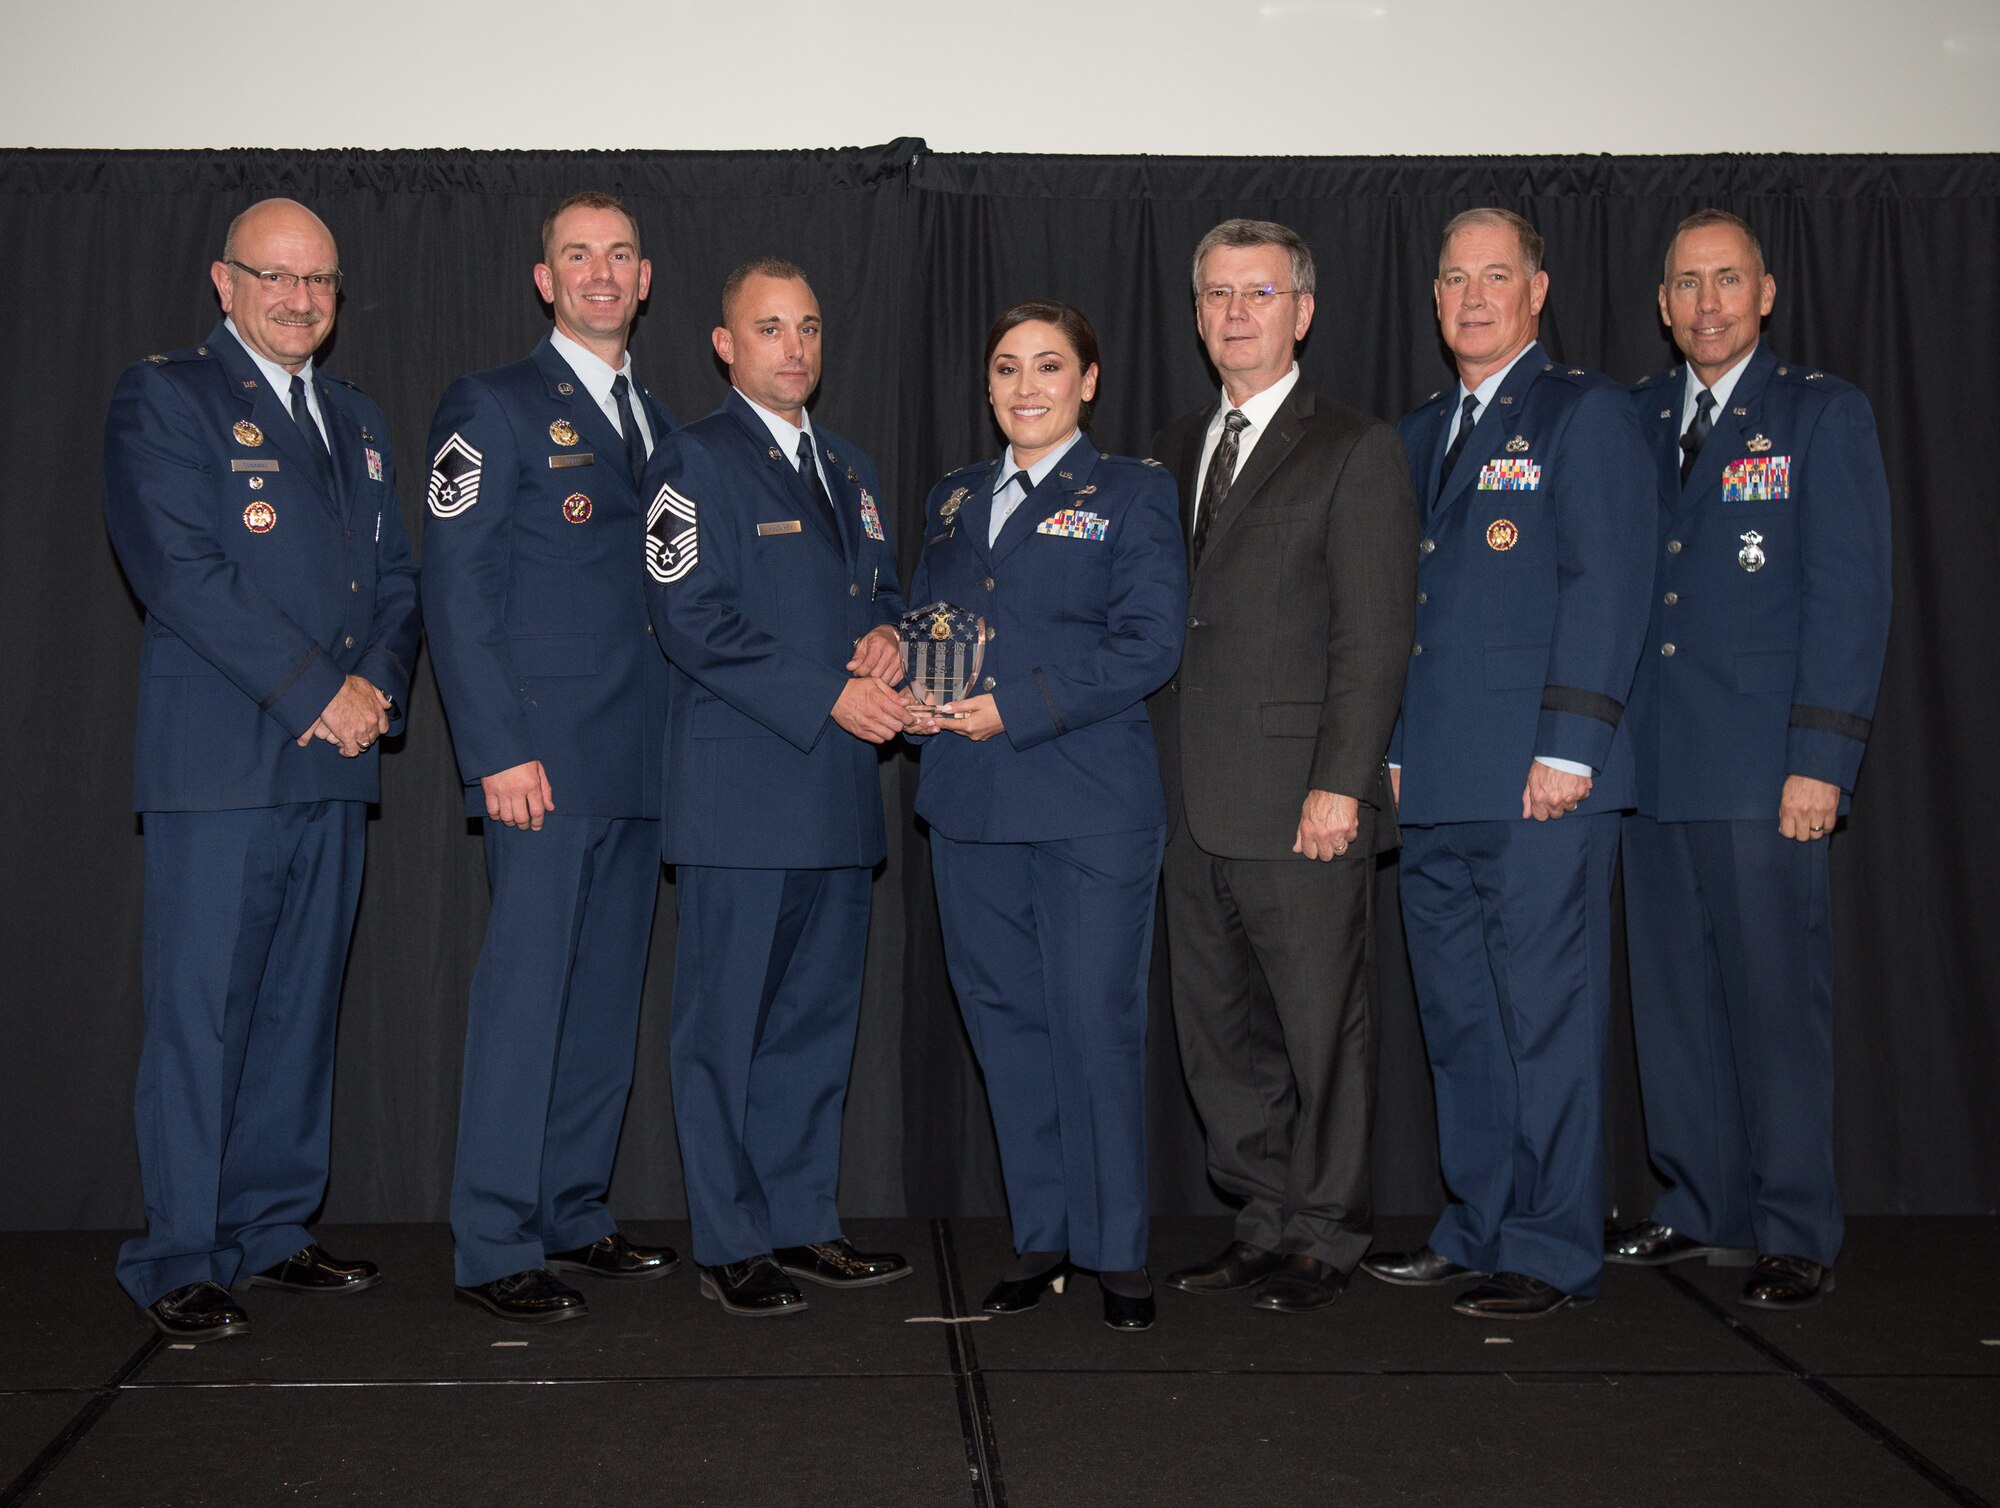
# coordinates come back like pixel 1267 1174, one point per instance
pixel 943 648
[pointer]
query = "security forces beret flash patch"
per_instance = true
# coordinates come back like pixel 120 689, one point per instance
pixel 671 538
pixel 455 477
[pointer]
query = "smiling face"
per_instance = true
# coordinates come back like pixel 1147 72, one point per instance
pixel 1715 298
pixel 278 236
pixel 770 340
pixel 594 279
pixel 1251 347
pixel 1488 306
pixel 1038 385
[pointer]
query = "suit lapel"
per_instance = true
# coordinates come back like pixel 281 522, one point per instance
pixel 1273 445
pixel 1057 491
pixel 843 489
pixel 1498 423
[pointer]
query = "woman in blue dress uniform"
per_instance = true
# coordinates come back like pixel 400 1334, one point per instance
pixel 1042 791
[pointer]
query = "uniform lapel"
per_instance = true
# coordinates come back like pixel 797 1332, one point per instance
pixel 1056 491
pixel 1729 439
pixel 570 399
pixel 1663 437
pixel 343 442
pixel 1499 422
pixel 272 414
pixel 784 470
pixel 843 489
pixel 975 515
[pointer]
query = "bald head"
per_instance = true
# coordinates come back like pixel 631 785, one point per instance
pixel 278 236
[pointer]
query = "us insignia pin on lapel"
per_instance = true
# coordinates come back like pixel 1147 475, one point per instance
pixel 1751 556
pixel 250 382
pixel 247 433
pixel 260 517
pixel 565 389
pixel 1502 535
pixel 1741 413
pixel 1757 444
pixel 1518 444
pixel 576 508
pixel 563 432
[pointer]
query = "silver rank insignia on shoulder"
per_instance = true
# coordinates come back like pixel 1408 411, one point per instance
pixel 1757 444
pixel 563 432
pixel 157 360
pixel 247 433
pixel 1751 556
pixel 948 509
pixel 1518 444
pixel 1576 371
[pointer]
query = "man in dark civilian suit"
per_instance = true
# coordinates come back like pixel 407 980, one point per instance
pixel 1302 560
pixel 774 595
pixel 556 696
pixel 252 503
pixel 1511 772
pixel 1770 617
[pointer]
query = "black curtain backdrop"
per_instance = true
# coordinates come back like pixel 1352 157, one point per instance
pixel 1888 273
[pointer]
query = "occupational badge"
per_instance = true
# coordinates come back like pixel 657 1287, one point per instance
pixel 1518 444
pixel 943 648
pixel 1502 535
pixel 871 516
pixel 576 508
pixel 1751 556
pixel 374 458
pixel 260 517
pixel 247 433
pixel 563 432
pixel 455 474
pixel 948 510
pixel 672 542
pixel 1757 444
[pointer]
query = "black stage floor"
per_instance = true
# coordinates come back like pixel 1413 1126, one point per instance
pixel 1664 1392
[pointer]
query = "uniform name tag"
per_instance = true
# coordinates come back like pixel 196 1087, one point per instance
pixel 253 465
pixel 789 526
pixel 1074 523
pixel 1514 474
pixel 564 462
pixel 1757 479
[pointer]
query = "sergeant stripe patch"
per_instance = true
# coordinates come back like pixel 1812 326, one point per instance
pixel 455 474
pixel 670 537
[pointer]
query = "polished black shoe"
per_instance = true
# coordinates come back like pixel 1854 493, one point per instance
pixel 196 1312
pixel 1300 1286
pixel 1018 1295
pixel 613 1256
pixel 1786 1283
pixel 1124 1311
pixel 1422 1268
pixel 836 1264
pixel 534 1297
pixel 313 1269
pixel 1651 1244
pixel 1513 1296
pixel 1238 1266
pixel 755 1288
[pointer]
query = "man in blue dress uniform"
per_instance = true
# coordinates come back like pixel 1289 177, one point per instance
pixel 774 596
pixel 1530 610
pixel 252 503
pixel 556 696
pixel 1750 713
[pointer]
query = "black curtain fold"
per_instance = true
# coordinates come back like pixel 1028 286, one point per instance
pixel 1886 275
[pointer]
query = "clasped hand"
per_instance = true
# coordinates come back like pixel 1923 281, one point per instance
pixel 353 720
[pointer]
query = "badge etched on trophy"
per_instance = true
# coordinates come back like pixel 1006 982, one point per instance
pixel 943 649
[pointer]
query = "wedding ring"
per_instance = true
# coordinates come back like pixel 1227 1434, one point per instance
pixel 1819 827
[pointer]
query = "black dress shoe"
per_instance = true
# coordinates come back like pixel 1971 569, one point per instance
pixel 1300 1286
pixel 1124 1312
pixel 1019 1295
pixel 534 1297
pixel 613 1256
pixel 1239 1265
pixel 197 1312
pixel 1786 1283
pixel 313 1269
pixel 1513 1295
pixel 755 1288
pixel 1422 1268
pixel 836 1264
pixel 1651 1244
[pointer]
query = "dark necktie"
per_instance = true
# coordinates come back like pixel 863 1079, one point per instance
pixel 628 425
pixel 1221 473
pixel 1697 431
pixel 1465 422
pixel 315 441
pixel 999 523
pixel 810 473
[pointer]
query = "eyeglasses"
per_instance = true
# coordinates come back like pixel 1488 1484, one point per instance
pixel 319 284
pixel 1257 298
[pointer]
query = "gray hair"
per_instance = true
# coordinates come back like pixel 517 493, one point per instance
pixel 1259 233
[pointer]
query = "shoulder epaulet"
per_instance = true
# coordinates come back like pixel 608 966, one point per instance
pixel 1104 456
pixel 1671 374
pixel 1575 376
pixel 1433 397
pixel 1811 377
pixel 184 353
pixel 341 380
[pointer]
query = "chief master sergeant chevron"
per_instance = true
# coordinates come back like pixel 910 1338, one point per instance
pixel 252 503
pixel 774 594
pixel 1770 617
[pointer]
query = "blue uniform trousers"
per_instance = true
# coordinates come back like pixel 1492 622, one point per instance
pixel 551 1027
pixel 767 993
pixel 1049 946
pixel 247 921
pixel 1509 928
pixel 1730 938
